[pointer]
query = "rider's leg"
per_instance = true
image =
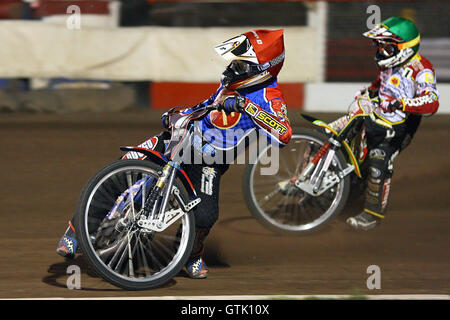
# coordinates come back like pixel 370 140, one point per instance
pixel 206 180
pixel 67 245
pixel 381 160
pixel 377 190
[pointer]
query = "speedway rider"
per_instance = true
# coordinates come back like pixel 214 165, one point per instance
pixel 406 90
pixel 250 99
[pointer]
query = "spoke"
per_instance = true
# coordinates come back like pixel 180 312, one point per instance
pixel 303 156
pixel 101 205
pixel 311 212
pixel 130 256
pixel 105 193
pixel 104 254
pixel 304 149
pixel 296 214
pixel 284 200
pixel 125 253
pixel 284 165
pixel 267 197
pixel 143 255
pixel 112 262
pixel 291 215
pixel 111 189
pixel 169 237
pixel 134 176
pixel 131 194
pixel 285 209
pixel 322 207
pixel 273 177
pixel 318 210
pixel 152 255
pixel 118 183
pixel 268 189
pixel 143 190
pixel 168 255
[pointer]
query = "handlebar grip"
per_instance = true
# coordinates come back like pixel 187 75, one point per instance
pixel 215 106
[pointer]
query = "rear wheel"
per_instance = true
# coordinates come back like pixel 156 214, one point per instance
pixel 120 251
pixel 281 206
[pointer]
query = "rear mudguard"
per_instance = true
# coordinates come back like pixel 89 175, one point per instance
pixel 161 160
pixel 322 124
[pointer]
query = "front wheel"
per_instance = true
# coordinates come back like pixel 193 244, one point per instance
pixel 278 203
pixel 113 243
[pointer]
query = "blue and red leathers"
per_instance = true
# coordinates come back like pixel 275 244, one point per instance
pixel 264 110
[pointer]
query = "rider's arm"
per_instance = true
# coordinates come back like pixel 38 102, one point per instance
pixel 210 100
pixel 426 101
pixel 275 122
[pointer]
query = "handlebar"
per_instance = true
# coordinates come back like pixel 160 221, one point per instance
pixel 212 107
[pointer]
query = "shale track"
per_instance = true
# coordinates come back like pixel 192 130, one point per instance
pixel 45 159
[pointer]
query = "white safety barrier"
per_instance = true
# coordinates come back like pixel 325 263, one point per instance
pixel 44 50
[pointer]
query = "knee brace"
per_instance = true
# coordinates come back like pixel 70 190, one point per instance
pixel 379 180
pixel 206 180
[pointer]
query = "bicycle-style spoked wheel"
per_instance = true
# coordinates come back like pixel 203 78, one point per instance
pixel 120 249
pixel 275 200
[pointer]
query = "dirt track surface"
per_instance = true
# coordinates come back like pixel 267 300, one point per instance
pixel 46 159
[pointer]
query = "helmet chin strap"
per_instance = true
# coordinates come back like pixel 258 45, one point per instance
pixel 256 79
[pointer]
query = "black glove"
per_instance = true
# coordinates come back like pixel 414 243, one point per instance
pixel 373 92
pixel 232 104
pixel 392 105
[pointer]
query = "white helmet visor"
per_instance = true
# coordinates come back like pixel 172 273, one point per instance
pixel 237 48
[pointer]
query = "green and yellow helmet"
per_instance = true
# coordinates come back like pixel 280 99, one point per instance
pixel 397 40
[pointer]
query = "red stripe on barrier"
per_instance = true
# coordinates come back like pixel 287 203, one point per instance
pixel 294 94
pixel 54 7
pixel 165 95
pixel 10 9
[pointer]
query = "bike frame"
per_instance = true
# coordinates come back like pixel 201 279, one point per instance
pixel 155 217
pixel 348 149
pixel 318 167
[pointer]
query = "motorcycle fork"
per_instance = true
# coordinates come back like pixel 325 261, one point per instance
pixel 319 165
pixel 316 164
pixel 164 183
pixel 324 164
pixel 169 173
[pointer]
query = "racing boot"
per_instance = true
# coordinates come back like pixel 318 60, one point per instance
pixel 196 267
pixel 363 221
pixel 376 193
pixel 68 244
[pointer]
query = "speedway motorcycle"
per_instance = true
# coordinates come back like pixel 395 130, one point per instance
pixel 318 170
pixel 134 219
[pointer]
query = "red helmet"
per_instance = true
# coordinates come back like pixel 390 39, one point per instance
pixel 256 56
